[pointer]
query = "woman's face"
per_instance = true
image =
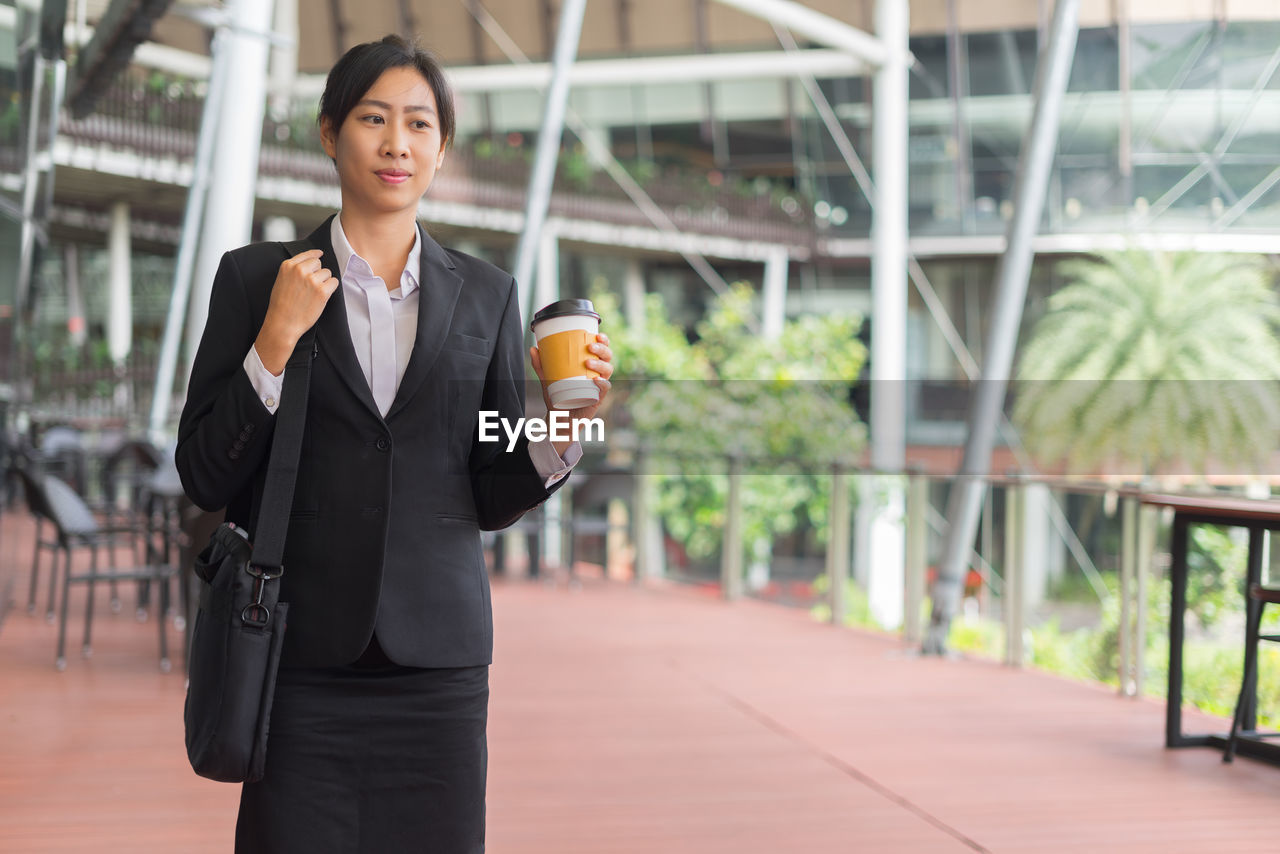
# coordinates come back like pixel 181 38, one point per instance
pixel 389 146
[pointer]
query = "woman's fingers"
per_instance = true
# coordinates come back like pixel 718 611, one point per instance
pixel 304 256
pixel 325 280
pixel 301 291
pixel 536 359
pixel 603 364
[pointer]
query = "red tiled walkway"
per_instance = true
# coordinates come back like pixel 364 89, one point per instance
pixel 660 720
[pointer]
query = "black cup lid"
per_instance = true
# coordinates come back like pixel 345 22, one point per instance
pixel 565 308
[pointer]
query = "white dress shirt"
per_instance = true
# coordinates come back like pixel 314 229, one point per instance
pixel 384 325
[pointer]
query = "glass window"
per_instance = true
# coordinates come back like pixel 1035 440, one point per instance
pixel 929 74
pixel 1002 63
pixel 1247 51
pixel 1096 67
pixel 1166 56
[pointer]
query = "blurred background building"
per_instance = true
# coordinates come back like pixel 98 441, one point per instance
pixel 1170 135
pixel 704 146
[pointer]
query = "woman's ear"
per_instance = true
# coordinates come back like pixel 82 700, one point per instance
pixel 328 137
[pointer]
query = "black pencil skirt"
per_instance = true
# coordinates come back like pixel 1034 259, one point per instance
pixel 371 759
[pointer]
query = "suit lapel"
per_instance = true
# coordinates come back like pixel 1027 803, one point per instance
pixel 333 332
pixel 438 287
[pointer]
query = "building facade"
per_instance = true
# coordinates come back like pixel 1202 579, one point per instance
pixel 1170 136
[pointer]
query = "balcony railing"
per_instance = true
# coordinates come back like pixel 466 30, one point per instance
pixel 157 118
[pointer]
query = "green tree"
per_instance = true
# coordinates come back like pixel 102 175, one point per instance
pixel 1149 359
pixel 782 404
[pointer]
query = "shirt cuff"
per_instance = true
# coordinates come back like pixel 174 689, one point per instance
pixel 551 467
pixel 265 383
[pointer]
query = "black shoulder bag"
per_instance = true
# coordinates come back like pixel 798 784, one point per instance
pixel 239 627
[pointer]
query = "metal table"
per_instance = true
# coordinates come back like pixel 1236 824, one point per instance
pixel 1256 517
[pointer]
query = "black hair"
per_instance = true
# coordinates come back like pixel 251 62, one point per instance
pixel 360 67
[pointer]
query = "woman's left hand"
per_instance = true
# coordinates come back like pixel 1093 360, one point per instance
pixel 602 363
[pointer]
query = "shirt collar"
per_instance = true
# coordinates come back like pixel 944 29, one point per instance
pixel 345 255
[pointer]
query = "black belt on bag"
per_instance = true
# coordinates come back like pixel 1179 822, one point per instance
pixel 239 627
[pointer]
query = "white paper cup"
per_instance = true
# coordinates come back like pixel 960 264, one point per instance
pixel 563 331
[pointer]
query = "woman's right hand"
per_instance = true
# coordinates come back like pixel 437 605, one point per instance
pixel 302 289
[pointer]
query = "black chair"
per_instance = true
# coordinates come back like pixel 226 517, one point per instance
pixel 38 506
pixel 124 474
pixel 30 477
pixel 1246 703
pixel 76 526
pixel 62 452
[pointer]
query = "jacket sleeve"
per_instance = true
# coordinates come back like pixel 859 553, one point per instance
pixel 225 430
pixel 505 484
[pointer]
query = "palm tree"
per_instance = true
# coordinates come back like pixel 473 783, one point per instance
pixel 1150 359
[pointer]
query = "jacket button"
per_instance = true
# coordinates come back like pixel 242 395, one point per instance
pixel 248 428
pixel 384 444
pixel 233 455
pixel 238 445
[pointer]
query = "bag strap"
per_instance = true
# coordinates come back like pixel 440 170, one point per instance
pixel 286 447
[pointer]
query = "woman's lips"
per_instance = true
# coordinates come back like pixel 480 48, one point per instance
pixel 393 176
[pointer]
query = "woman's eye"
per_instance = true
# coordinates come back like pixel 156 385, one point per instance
pixel 421 125
pixel 373 119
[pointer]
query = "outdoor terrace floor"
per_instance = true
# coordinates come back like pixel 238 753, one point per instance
pixel 659 720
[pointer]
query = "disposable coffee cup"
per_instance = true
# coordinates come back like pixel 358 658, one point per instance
pixel 563 331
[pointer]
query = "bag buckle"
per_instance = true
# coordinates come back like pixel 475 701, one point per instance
pixel 256 614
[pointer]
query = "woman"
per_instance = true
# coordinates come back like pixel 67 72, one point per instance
pixel 377 735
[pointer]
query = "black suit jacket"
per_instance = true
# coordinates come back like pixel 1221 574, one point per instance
pixel 387 512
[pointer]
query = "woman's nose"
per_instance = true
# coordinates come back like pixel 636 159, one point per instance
pixel 395 141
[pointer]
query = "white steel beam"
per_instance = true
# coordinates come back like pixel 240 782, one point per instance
pixel 602 155
pixel 192 221
pixel 816 27
pixel 889 245
pixel 774 312
pixel 838 61
pixel 119 285
pixel 964 503
pixel 548 149
pixel 228 216
pixel 703 68
pixel 887 540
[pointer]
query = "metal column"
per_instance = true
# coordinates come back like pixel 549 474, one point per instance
pixel 838 545
pixel 119 285
pixel 633 297
pixel 544 163
pixel 775 293
pixel 76 326
pixel 1128 562
pixel 1014 599
pixel 192 221
pixel 889 312
pixel 1034 165
pixel 917 556
pixel 30 184
pixel 547 281
pixel 1147 522
pixel 37 161
pixel 889 236
pixel 228 220
pixel 731 551
pixel 283 67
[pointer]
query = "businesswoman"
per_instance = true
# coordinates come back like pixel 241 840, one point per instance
pixel 377 734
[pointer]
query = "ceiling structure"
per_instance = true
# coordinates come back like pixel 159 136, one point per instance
pixel 450 29
pixel 634 27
